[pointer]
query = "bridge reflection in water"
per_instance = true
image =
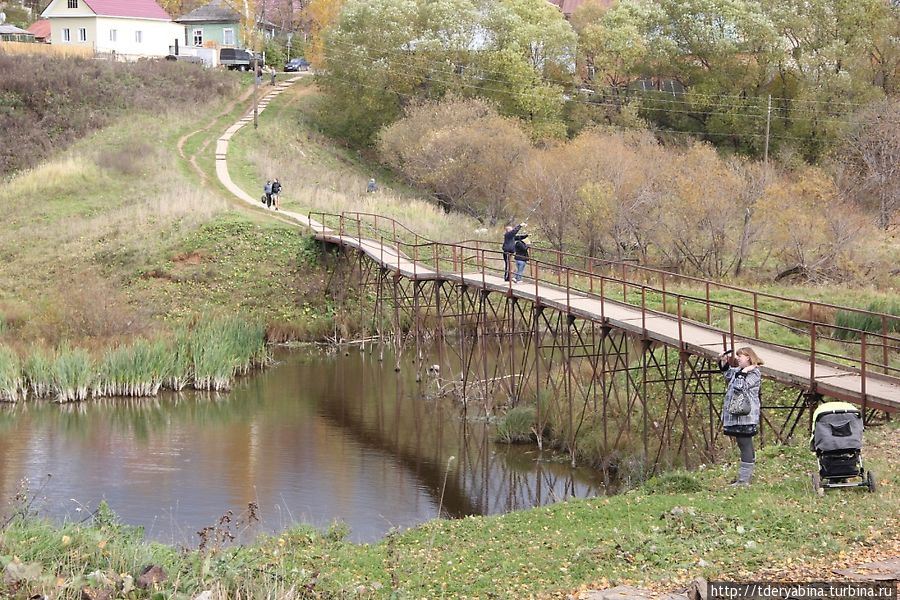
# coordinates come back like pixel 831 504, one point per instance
pixel 314 440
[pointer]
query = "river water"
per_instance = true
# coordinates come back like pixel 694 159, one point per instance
pixel 317 439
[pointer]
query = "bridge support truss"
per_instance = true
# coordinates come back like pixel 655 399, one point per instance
pixel 589 384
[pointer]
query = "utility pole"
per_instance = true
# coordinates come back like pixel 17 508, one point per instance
pixel 255 90
pixel 768 121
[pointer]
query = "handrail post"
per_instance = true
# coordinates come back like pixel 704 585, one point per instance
pixel 558 267
pixel 568 295
pixel 602 300
pixel 591 274
pixel 663 279
pixel 755 316
pixel 624 285
pixel 483 278
pixel 359 231
pixel 862 373
pixel 731 324
pixel 437 259
pixel 884 344
pixel 812 352
pixel 708 314
pixel 644 311
pixel 680 334
pixel 341 229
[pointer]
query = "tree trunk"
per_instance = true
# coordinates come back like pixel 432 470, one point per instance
pixel 745 240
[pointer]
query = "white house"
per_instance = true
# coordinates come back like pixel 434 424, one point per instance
pixel 128 28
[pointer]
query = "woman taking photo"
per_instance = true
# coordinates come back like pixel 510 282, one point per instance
pixel 740 412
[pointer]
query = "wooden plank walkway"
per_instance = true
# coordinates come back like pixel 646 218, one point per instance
pixel 785 366
pixel 782 365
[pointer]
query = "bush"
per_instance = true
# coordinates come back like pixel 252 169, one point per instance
pixel 463 150
pixel 517 426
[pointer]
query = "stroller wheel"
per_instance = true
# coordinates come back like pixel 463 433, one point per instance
pixel 817 484
pixel 870 481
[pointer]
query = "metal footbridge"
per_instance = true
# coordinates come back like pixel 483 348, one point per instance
pixel 687 313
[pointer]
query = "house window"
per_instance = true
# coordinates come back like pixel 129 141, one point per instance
pixel 73 3
pixel 112 35
pixel 228 37
pixel 82 35
pixel 67 35
pixel 198 37
pixel 139 36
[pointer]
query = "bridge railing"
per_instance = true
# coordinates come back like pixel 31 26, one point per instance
pixel 789 323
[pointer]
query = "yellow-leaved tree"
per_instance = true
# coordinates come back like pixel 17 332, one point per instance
pixel 320 15
pixel 811 230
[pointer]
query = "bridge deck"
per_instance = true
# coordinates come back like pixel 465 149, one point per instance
pixel 782 365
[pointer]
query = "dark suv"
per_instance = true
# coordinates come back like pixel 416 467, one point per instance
pixel 297 64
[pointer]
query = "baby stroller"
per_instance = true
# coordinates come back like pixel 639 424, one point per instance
pixel 837 440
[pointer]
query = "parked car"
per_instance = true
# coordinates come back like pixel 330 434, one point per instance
pixel 297 64
pixel 238 59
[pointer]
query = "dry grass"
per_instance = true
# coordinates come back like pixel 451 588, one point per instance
pixel 55 50
pixel 320 176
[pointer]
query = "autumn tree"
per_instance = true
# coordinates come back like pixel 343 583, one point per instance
pixel 870 152
pixel 460 149
pixel 811 230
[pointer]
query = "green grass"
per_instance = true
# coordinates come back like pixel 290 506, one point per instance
pixel 38 372
pixel 73 374
pixel 10 378
pixel 517 425
pixel 662 534
pixel 869 323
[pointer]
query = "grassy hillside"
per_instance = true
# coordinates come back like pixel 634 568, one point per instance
pixel 47 102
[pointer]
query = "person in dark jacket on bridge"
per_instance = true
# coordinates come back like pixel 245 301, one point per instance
pixel 521 258
pixel 510 236
pixel 744 379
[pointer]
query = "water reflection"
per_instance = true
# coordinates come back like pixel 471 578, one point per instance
pixel 314 440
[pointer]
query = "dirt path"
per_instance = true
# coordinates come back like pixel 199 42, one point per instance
pixel 224 176
pixel 192 159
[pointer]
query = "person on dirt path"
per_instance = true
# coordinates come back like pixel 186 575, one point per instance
pixel 273 75
pixel 740 412
pixel 276 189
pixel 372 187
pixel 510 237
pixel 267 193
pixel 521 258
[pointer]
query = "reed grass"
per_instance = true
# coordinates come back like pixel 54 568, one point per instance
pixel 11 388
pixel 846 320
pixel 181 366
pixel 38 371
pixel 138 370
pixel 73 374
pixel 223 348
pixel 517 426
